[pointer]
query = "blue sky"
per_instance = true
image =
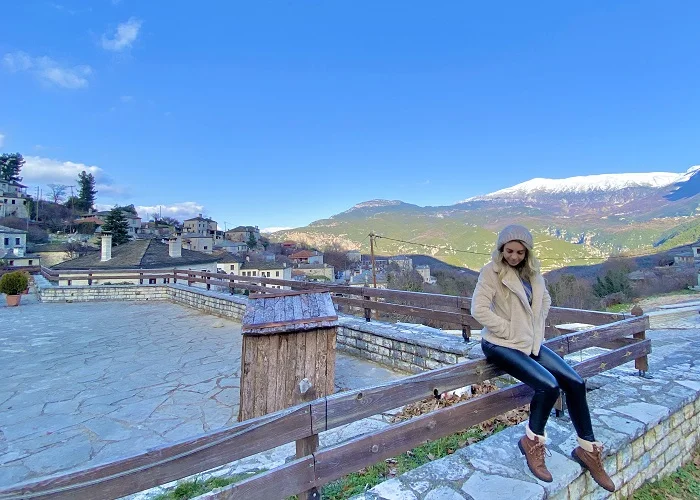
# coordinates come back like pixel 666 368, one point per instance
pixel 279 113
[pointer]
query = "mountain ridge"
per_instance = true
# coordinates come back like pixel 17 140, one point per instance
pixel 636 213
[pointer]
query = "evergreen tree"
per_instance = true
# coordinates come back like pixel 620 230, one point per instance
pixel 87 191
pixel 116 223
pixel 10 165
pixel 252 242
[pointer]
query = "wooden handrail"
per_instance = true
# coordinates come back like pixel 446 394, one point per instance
pixel 191 456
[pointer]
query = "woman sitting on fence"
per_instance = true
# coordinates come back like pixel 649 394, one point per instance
pixel 511 302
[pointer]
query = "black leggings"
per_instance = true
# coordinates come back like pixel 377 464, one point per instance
pixel 545 373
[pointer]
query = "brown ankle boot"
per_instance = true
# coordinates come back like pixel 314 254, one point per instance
pixel 590 455
pixel 532 446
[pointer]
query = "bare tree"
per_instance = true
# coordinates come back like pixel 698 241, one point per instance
pixel 58 192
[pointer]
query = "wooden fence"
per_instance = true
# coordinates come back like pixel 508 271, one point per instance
pixel 625 337
pixel 448 309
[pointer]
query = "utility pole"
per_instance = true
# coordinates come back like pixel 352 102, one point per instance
pixel 371 252
pixel 38 201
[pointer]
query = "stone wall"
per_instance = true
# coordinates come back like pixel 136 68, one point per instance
pixel 103 292
pixel 408 347
pixel 217 303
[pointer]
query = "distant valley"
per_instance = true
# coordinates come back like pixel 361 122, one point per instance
pixel 576 221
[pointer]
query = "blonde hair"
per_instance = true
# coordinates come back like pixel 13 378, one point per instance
pixel 528 268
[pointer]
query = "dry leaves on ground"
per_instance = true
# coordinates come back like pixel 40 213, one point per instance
pixel 507 419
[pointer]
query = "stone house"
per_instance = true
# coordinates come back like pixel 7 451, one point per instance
pixel 318 272
pixel 14 201
pixel 143 255
pixel 307 257
pixel 198 242
pixel 199 225
pixel 243 233
pixel 13 248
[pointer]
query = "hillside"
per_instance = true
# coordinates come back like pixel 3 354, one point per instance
pixel 575 221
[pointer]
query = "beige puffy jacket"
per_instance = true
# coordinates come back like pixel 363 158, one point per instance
pixel 503 309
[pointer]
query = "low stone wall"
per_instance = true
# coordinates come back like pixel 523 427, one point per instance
pixel 217 303
pixel 408 347
pixel 103 293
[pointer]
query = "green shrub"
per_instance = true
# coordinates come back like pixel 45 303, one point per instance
pixel 14 283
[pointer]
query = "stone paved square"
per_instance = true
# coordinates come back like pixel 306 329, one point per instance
pixel 88 383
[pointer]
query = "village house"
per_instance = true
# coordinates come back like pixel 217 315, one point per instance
pixel 90 219
pixel 13 248
pixel 144 254
pixel 229 263
pixel 198 242
pixel 14 201
pixel 307 257
pixel 404 263
pixel 289 245
pixel 155 230
pixel 199 225
pixel 243 233
pixel 354 256
pixel 315 272
pixel 424 271
pixel 55 253
pixel 231 246
pixel 364 278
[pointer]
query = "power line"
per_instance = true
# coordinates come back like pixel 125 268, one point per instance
pixel 425 245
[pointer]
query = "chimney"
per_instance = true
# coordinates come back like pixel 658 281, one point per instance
pixel 175 246
pixel 106 246
pixel 200 216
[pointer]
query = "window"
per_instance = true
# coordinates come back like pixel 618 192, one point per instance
pixel 14 201
pixel 268 274
pixel 151 281
pixel 31 262
pixel 205 247
pixel 255 273
pixel 16 241
pixel 12 263
pixel 7 242
pixel 277 273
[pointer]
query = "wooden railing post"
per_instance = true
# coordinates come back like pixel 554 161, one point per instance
pixel 368 311
pixel 466 329
pixel 308 445
pixel 641 363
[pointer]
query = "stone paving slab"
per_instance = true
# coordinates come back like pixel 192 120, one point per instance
pixel 88 383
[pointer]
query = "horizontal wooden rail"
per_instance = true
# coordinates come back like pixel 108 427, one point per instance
pixel 337 461
pixel 165 464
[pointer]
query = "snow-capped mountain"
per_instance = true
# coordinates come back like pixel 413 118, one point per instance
pixel 586 184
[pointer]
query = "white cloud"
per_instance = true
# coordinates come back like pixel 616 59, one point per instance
pixel 48 70
pixel 38 170
pixel 123 37
pixel 181 211
pixel 274 229
pixel 2 140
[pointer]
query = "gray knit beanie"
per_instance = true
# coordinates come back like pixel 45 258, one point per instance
pixel 515 232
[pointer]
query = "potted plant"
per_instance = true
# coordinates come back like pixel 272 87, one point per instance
pixel 12 285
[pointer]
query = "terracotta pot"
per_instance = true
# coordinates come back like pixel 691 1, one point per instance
pixel 13 300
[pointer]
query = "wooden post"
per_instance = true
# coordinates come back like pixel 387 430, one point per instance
pixel 174 275
pixel 466 329
pixel 371 252
pixel 641 363
pixel 309 445
pixel 368 311
pixel 560 404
